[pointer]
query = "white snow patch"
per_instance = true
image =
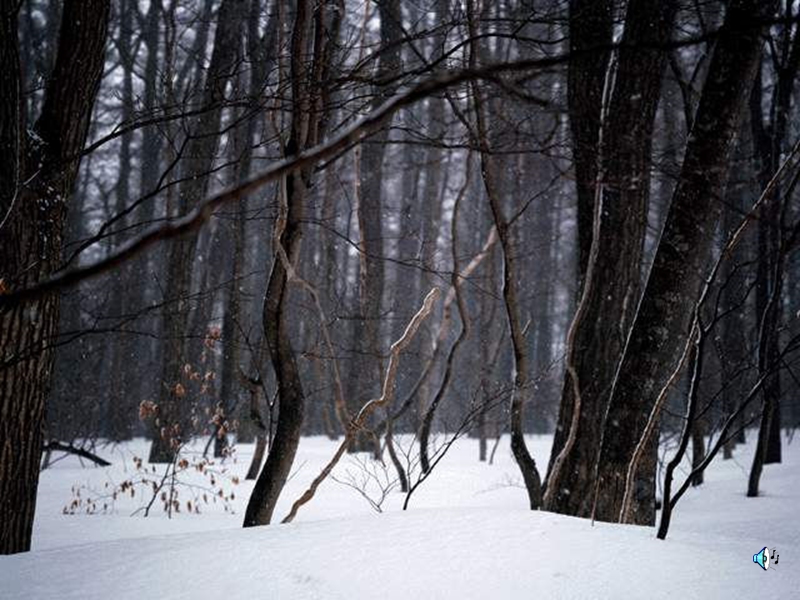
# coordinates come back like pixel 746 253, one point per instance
pixel 466 535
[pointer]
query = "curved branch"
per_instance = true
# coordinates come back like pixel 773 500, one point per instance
pixel 386 396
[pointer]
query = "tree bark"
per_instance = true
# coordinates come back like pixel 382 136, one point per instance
pixel 32 217
pixel 121 409
pixel 366 369
pixel 519 396
pixel 662 323
pixel 590 28
pixel 612 286
pixel 769 141
pixel 307 81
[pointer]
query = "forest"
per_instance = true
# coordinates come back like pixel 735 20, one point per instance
pixel 532 255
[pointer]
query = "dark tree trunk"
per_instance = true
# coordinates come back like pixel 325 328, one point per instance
pixel 33 217
pixel 365 373
pixel 138 385
pixel 699 432
pixel 660 330
pixel 769 141
pixel 307 80
pixel 121 409
pixel 258 457
pixel 590 28
pixel 732 341
pixel 612 287
pixel 490 175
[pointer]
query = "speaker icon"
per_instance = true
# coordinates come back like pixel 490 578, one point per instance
pixel 762 558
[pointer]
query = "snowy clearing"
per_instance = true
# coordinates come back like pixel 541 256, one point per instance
pixel 466 535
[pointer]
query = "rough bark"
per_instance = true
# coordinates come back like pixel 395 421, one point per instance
pixel 31 228
pixel 612 287
pixel 590 26
pixel 662 323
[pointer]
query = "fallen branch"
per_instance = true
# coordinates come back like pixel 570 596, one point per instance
pixel 71 449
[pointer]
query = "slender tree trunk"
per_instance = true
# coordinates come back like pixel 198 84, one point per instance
pixel 171 423
pixel 366 371
pixel 769 143
pixel 519 397
pixel 258 457
pixel 120 408
pixel 427 421
pixel 307 81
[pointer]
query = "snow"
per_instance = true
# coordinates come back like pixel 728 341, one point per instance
pixel 466 534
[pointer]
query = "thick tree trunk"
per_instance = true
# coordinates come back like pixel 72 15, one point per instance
pixel 31 226
pixel 659 333
pixel 612 287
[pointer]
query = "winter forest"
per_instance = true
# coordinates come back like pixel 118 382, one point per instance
pixel 484 297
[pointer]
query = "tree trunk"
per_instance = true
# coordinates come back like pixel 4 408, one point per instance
pixel 612 287
pixel 121 410
pixel 769 142
pixel 699 432
pixel 659 333
pixel 365 373
pixel 590 27
pixel 519 396
pixel 31 228
pixel 258 456
pixel 307 80
pixel 455 283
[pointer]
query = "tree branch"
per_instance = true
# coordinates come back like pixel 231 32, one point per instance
pixel 386 396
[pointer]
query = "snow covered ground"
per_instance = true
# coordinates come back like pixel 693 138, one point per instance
pixel 466 534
